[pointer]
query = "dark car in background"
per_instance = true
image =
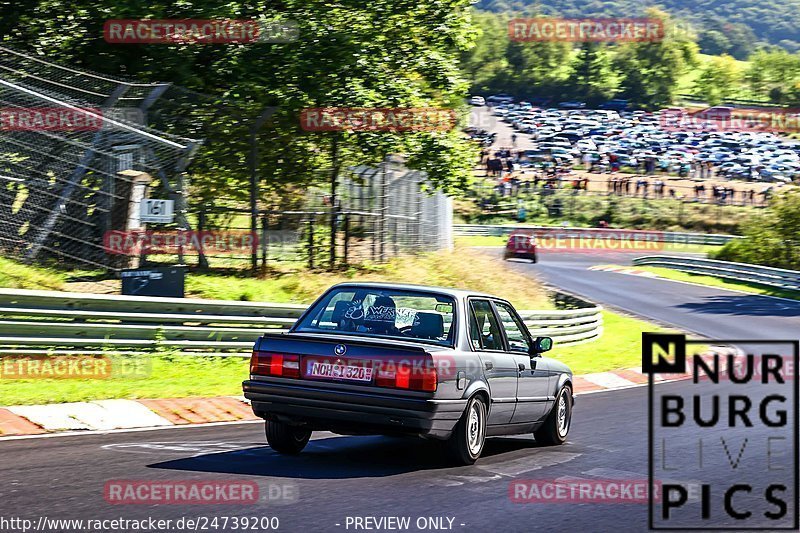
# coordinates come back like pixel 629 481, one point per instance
pixel 617 104
pixel 376 358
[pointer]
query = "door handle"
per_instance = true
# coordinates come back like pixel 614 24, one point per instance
pixel 489 365
pixel 521 366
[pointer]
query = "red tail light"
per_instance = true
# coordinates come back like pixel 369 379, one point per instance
pixel 275 364
pixel 405 375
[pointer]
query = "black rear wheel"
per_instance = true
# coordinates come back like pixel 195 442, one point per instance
pixel 555 429
pixel 286 439
pixel 469 436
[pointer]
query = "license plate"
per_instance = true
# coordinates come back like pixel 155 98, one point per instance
pixel 317 369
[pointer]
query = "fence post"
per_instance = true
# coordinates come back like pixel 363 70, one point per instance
pixel 253 163
pixel 311 241
pixel 374 221
pixel 334 222
pixel 346 222
pixel 202 260
pixel 383 208
pixel 264 242
pixel 394 237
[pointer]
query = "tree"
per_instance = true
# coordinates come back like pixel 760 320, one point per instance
pixel 592 78
pixel 772 73
pixel 650 71
pixel 771 238
pixel 486 61
pixel 714 42
pixel 718 80
pixel 401 53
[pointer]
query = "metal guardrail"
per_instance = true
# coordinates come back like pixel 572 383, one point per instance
pixel 673 237
pixel 49 322
pixel 772 277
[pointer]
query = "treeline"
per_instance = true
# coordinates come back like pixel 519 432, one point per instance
pixel 770 75
pixel 649 74
pixel 772 238
pixel 384 53
pixel 734 27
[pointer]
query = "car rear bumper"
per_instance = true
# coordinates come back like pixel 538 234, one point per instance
pixel 340 411
pixel 527 254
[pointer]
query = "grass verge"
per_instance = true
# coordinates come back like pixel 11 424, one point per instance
pixel 619 347
pixel 14 275
pixel 720 283
pixel 460 268
pixel 627 212
pixel 166 377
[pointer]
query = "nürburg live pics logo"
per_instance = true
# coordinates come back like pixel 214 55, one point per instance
pixel 723 437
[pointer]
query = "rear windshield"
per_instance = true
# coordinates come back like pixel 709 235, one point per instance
pixel 382 312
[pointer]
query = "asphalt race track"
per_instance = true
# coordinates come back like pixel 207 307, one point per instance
pixel 337 477
pixel 706 311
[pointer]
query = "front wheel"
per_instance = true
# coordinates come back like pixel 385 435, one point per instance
pixel 286 439
pixel 556 426
pixel 469 436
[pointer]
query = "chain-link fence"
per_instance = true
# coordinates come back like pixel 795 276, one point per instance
pixel 378 212
pixel 76 159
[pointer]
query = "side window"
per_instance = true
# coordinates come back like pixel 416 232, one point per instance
pixel 484 330
pixel 516 332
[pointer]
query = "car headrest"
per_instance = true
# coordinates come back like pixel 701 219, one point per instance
pixel 427 326
pixel 339 310
pixel 381 317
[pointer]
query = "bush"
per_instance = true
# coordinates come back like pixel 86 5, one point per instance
pixel 771 238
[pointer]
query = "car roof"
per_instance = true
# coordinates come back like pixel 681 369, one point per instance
pixel 449 291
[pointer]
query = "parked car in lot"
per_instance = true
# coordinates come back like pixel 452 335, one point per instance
pixel 500 99
pixel 616 104
pixel 376 358
pixel 477 100
pixel 521 244
pixel 636 136
pixel 572 104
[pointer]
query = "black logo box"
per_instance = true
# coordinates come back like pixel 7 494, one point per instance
pixel 676 345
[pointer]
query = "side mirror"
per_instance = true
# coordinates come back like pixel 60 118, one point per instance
pixel 541 344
